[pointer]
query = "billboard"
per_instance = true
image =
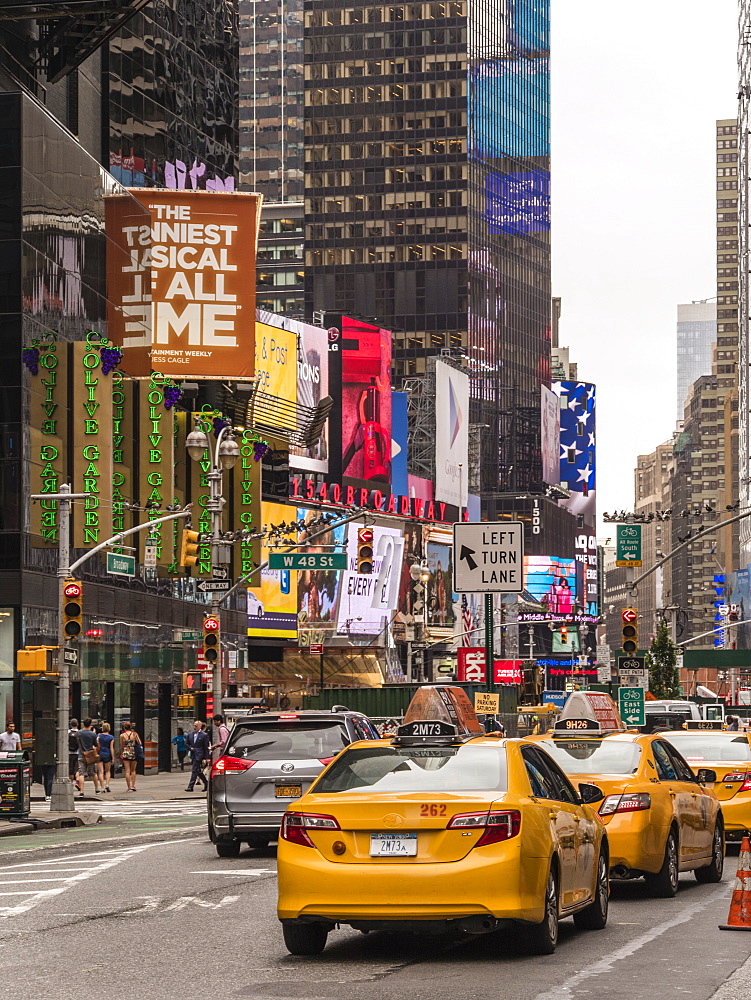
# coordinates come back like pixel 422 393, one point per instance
pixel 276 369
pixel 367 601
pixel 550 434
pixel 366 401
pixel 200 249
pixel 578 467
pixel 451 434
pixel 518 203
pixel 471 667
pixel 272 602
pixel 312 387
pixel 399 473
pixel 318 590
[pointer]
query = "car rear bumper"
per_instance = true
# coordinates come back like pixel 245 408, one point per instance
pixel 498 885
pixel 237 824
pixel 634 842
pixel 736 815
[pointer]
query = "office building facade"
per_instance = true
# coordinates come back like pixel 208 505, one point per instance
pixel 696 333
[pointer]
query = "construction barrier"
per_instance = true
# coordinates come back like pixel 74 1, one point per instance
pixel 739 918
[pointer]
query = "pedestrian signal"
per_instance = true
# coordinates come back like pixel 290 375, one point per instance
pixel 72 609
pixel 189 548
pixel 630 631
pixel 192 681
pixel 365 551
pixel 211 639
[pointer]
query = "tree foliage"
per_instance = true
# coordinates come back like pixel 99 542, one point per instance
pixel 664 679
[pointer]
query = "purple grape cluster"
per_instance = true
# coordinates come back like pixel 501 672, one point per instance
pixel 219 423
pixel 172 394
pixel 111 358
pixel 259 450
pixel 30 358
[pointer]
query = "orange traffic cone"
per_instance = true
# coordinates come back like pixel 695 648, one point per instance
pixel 739 918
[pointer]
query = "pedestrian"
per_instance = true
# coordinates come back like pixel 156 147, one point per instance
pixel 10 740
pixel 732 723
pixel 200 751
pixel 73 753
pixel 222 735
pixel 181 746
pixel 104 741
pixel 87 750
pixel 129 739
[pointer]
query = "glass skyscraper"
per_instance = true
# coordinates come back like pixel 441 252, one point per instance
pixel 427 196
pixel 696 334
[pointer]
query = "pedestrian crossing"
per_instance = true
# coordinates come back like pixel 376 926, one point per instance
pixel 133 806
pixel 23 886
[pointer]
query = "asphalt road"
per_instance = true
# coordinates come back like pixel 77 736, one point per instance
pixel 168 919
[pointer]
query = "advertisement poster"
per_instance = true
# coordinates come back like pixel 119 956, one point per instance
pixel 552 582
pixel 440 587
pixel 276 370
pixel 191 267
pixel 312 387
pixel 272 603
pixel 452 434
pixel 368 601
pixel 366 401
pixel 471 667
pixel 551 436
pixel 318 590
pixel 577 447
pixel 399 474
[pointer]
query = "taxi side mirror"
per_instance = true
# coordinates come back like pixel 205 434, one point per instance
pixel 590 793
pixel 705 776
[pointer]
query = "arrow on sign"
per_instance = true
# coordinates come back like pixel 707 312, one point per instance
pixel 467 553
pixel 633 719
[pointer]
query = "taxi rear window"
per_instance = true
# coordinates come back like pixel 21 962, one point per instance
pixel 407 769
pixel 594 756
pixel 710 746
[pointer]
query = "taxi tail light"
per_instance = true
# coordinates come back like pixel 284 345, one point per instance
pixel 740 776
pixel 295 827
pixel 498 825
pixel 325 760
pixel 632 802
pixel 228 765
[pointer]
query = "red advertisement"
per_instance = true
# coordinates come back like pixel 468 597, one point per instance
pixel 471 667
pixel 366 401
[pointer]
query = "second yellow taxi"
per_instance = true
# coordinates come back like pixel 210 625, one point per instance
pixel 661 818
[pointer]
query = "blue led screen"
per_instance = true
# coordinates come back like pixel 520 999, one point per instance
pixel 518 203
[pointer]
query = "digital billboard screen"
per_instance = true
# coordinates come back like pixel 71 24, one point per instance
pixel 552 582
pixel 272 602
pixel 451 434
pixel 312 387
pixel 367 600
pixel 366 401
pixel 518 203
pixel 578 465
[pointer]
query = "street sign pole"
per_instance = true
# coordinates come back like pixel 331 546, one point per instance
pixel 489 653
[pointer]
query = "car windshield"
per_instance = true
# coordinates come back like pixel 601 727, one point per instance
pixel 710 746
pixel 298 740
pixel 594 756
pixel 408 769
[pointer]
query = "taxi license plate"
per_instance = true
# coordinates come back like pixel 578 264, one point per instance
pixel 396 845
pixel 288 791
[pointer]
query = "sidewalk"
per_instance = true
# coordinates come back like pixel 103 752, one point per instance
pixel 164 786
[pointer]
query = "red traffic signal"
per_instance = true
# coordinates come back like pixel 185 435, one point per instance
pixel 365 536
pixel 629 615
pixel 211 624
pixel 72 590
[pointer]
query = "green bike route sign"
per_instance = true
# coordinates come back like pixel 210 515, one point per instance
pixel 628 545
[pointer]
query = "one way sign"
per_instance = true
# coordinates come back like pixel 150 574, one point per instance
pixel 489 557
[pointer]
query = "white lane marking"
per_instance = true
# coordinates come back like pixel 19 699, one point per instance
pixel 152 903
pixel 94 864
pixel 239 871
pixel 605 964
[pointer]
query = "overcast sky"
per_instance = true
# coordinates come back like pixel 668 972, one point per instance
pixel 636 91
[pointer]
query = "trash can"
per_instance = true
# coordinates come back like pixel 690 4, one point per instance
pixel 15 784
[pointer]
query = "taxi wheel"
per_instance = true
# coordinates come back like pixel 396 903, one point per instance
pixel 305 939
pixel 595 916
pixel 713 872
pixel 543 937
pixel 228 848
pixel 665 883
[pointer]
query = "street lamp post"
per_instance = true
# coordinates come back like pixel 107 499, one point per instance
pixel 420 573
pixel 223 456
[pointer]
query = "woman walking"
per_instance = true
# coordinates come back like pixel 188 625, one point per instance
pixel 129 739
pixel 105 739
pixel 181 746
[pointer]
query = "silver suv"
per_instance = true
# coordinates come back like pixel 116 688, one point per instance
pixel 269 761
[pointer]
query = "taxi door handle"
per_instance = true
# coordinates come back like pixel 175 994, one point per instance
pixel 553 815
pixel 577 819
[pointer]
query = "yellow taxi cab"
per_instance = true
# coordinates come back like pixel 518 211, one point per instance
pixel 708 748
pixel 442 827
pixel 661 819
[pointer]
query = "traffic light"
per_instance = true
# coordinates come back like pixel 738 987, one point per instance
pixel 365 551
pixel 72 609
pixel 564 635
pixel 189 548
pixel 36 660
pixel 192 681
pixel 630 631
pixel 211 639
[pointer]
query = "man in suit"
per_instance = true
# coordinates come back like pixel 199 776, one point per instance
pixel 199 746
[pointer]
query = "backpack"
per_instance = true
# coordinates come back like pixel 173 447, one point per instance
pixel 73 742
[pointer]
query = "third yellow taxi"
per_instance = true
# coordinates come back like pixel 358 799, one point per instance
pixel 660 817
pixel 442 827
pixel 709 748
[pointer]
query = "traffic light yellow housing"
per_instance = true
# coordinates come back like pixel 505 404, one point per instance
pixel 72 609
pixel 35 660
pixel 189 547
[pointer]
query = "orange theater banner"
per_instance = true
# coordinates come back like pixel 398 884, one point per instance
pixel 200 248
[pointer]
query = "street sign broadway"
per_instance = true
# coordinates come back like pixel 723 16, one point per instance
pixel 120 565
pixel 489 557
pixel 628 545
pixel 307 560
pixel 631 704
